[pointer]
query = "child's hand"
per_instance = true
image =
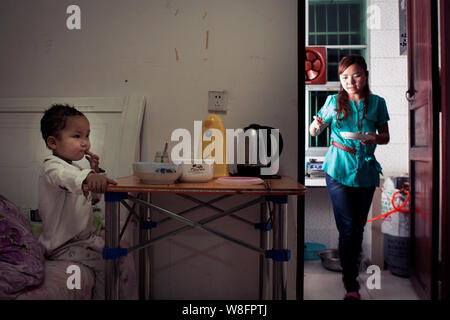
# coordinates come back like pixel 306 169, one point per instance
pixel 94 160
pixel 97 183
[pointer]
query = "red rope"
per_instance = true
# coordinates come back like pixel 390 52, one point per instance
pixel 393 205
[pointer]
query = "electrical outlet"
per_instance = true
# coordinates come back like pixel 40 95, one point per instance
pixel 217 101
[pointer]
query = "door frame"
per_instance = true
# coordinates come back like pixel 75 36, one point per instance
pixel 301 152
pixel 416 154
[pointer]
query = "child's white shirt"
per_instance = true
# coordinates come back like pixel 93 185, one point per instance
pixel 66 211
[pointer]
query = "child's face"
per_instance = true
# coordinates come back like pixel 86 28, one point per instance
pixel 353 79
pixel 73 141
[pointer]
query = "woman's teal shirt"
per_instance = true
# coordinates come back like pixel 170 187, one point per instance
pixel 360 169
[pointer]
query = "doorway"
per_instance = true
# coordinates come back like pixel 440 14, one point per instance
pixel 380 37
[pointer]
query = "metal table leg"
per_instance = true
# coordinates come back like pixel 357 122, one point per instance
pixel 284 236
pixel 265 264
pixel 280 243
pixel 144 254
pixel 112 227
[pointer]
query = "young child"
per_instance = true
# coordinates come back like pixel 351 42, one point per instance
pixel 65 209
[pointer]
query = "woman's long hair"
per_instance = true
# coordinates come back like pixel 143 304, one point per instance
pixel 343 109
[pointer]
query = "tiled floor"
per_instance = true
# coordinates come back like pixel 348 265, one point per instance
pixel 322 284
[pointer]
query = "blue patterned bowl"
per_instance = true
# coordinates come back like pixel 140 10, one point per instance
pixel 157 172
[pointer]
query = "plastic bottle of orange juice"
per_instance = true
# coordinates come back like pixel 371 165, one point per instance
pixel 214 144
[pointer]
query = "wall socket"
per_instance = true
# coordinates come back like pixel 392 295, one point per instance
pixel 217 101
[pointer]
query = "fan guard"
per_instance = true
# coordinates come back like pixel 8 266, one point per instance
pixel 315 65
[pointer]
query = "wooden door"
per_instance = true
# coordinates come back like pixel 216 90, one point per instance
pixel 423 100
pixel 444 7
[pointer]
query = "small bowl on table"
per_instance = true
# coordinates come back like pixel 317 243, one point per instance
pixel 157 172
pixel 197 170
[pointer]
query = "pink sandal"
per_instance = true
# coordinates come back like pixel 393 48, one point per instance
pixel 354 295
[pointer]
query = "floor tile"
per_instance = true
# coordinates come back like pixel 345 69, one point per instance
pixel 322 284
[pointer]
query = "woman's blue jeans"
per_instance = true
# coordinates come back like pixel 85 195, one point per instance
pixel 351 207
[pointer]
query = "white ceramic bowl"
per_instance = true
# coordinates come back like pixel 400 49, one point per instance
pixel 157 172
pixel 355 136
pixel 202 172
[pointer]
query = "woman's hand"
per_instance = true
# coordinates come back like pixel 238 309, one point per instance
pixel 381 138
pixel 316 125
pixel 94 160
pixel 372 140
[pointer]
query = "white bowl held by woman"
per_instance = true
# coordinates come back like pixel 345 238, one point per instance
pixel 356 136
pixel 197 171
pixel 157 172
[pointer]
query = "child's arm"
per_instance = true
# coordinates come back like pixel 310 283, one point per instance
pixel 72 180
pixel 97 182
pixel 61 176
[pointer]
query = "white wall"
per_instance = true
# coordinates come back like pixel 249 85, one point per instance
pixel 388 75
pixel 128 47
pixel 388 78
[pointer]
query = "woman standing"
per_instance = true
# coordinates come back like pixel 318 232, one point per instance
pixel 352 172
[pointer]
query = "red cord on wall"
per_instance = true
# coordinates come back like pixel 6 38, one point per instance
pixel 393 205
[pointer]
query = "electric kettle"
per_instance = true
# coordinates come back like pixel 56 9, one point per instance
pixel 254 147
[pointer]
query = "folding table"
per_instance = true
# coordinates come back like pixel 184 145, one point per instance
pixel 130 188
